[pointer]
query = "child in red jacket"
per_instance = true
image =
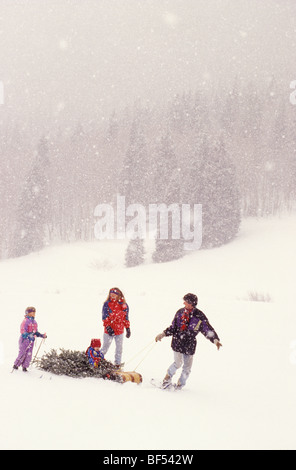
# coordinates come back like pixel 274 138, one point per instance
pixel 115 317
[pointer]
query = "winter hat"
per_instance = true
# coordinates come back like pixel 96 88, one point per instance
pixel 191 299
pixel 30 311
pixel 95 343
pixel 116 291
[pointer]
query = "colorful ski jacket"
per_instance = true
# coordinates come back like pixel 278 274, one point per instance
pixel 185 327
pixel 115 315
pixel 94 357
pixel 29 328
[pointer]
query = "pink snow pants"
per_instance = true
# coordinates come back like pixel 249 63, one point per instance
pixel 25 353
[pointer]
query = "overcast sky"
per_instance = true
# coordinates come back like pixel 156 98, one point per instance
pixel 80 59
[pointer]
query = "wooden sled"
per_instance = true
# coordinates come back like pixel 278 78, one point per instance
pixel 128 376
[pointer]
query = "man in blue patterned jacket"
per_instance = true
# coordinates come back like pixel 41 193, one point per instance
pixel 187 323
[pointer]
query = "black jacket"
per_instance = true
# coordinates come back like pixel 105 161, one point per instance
pixel 184 341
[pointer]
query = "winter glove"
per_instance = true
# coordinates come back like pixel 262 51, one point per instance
pixel 159 337
pixel 217 343
pixel 128 332
pixel 29 336
pixel 110 331
pixel 40 335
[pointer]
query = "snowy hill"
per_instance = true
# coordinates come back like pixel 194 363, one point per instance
pixel 242 397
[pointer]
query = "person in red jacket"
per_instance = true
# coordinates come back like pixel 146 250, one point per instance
pixel 115 316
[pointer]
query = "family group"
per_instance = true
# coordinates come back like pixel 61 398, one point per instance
pixel 187 323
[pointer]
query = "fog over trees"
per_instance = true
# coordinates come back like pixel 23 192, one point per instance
pixel 160 102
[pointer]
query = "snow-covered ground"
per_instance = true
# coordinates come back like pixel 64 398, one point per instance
pixel 241 397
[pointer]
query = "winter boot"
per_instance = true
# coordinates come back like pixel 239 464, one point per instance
pixel 24 369
pixel 166 381
pixel 178 386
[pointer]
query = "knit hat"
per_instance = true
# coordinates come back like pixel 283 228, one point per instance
pixel 114 290
pixel 191 299
pixel 30 311
pixel 95 343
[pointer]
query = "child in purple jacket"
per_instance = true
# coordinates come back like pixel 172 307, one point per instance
pixel 29 329
pixel 187 323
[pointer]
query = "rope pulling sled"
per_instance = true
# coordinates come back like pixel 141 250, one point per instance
pixel 134 376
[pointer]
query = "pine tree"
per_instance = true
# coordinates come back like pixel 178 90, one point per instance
pixel 33 209
pixel 75 364
pixel 113 127
pixel 135 252
pixel 165 165
pixel 168 193
pixel 167 250
pixel 216 189
pixel 135 167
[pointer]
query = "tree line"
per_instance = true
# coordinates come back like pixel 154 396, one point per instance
pixel 231 150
